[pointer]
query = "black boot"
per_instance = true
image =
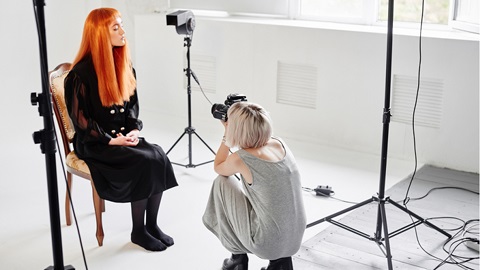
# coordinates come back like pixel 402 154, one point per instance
pixel 236 262
pixel 280 264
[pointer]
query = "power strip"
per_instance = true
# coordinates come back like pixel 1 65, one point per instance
pixel 323 191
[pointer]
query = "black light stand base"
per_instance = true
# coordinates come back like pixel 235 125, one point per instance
pixel 381 203
pixel 381 226
pixel 68 267
pixel 382 242
pixel 190 131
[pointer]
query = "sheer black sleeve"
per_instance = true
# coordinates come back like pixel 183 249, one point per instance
pixel 78 110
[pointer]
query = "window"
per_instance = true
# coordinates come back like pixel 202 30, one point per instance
pixel 350 11
pixel 460 14
pixel 435 11
pixel 271 7
pixel 465 15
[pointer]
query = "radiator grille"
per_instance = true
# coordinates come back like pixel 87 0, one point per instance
pixel 430 101
pixel 297 85
pixel 205 69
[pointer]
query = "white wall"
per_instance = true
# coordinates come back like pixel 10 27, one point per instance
pixel 20 64
pixel 351 75
pixel 351 83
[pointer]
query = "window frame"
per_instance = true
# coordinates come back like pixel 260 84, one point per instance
pixel 370 8
pixel 291 9
pixel 275 8
pixel 371 17
pixel 461 25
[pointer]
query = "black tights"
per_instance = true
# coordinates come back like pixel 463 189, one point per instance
pixel 145 232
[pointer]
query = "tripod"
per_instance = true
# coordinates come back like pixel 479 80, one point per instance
pixel 380 198
pixel 189 130
pixel 46 139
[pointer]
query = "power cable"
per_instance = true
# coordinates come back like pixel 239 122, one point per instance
pixel 406 199
pixel 440 188
pixel 451 258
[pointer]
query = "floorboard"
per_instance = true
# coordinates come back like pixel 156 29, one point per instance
pixel 339 248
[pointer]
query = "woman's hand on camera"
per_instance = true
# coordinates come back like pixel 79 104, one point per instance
pixel 224 123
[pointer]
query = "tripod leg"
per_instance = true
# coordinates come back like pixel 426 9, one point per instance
pixel 190 131
pixel 422 220
pixel 181 136
pixel 328 218
pixel 381 208
pixel 198 136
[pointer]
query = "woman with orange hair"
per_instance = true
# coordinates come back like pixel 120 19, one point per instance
pixel 102 101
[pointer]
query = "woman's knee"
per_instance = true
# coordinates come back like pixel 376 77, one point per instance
pixel 219 179
pixel 221 182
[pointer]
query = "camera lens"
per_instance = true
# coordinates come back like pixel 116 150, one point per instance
pixel 219 111
pixel 216 107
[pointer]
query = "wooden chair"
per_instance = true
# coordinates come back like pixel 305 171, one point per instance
pixel 75 166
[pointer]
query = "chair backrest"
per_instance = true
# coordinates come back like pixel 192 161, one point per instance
pixel 57 77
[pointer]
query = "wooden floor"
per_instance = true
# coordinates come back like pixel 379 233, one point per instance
pixel 339 248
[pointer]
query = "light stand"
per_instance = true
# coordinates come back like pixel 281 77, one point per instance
pixel 46 139
pixel 189 130
pixel 381 199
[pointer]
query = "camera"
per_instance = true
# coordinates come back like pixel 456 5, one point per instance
pixel 219 110
pixel 184 21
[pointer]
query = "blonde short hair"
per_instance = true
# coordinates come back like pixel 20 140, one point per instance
pixel 249 126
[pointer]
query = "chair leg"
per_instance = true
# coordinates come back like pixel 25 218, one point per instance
pixel 68 215
pixel 103 205
pixel 98 202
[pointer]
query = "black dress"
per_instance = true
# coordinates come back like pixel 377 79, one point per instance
pixel 120 173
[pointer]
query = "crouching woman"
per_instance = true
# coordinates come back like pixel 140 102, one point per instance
pixel 263 213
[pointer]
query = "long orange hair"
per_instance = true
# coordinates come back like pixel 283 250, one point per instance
pixel 116 81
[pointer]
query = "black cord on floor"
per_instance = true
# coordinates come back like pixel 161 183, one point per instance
pixel 453 243
pixel 440 188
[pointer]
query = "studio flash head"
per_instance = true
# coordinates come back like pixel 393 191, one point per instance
pixel 219 111
pixel 184 21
